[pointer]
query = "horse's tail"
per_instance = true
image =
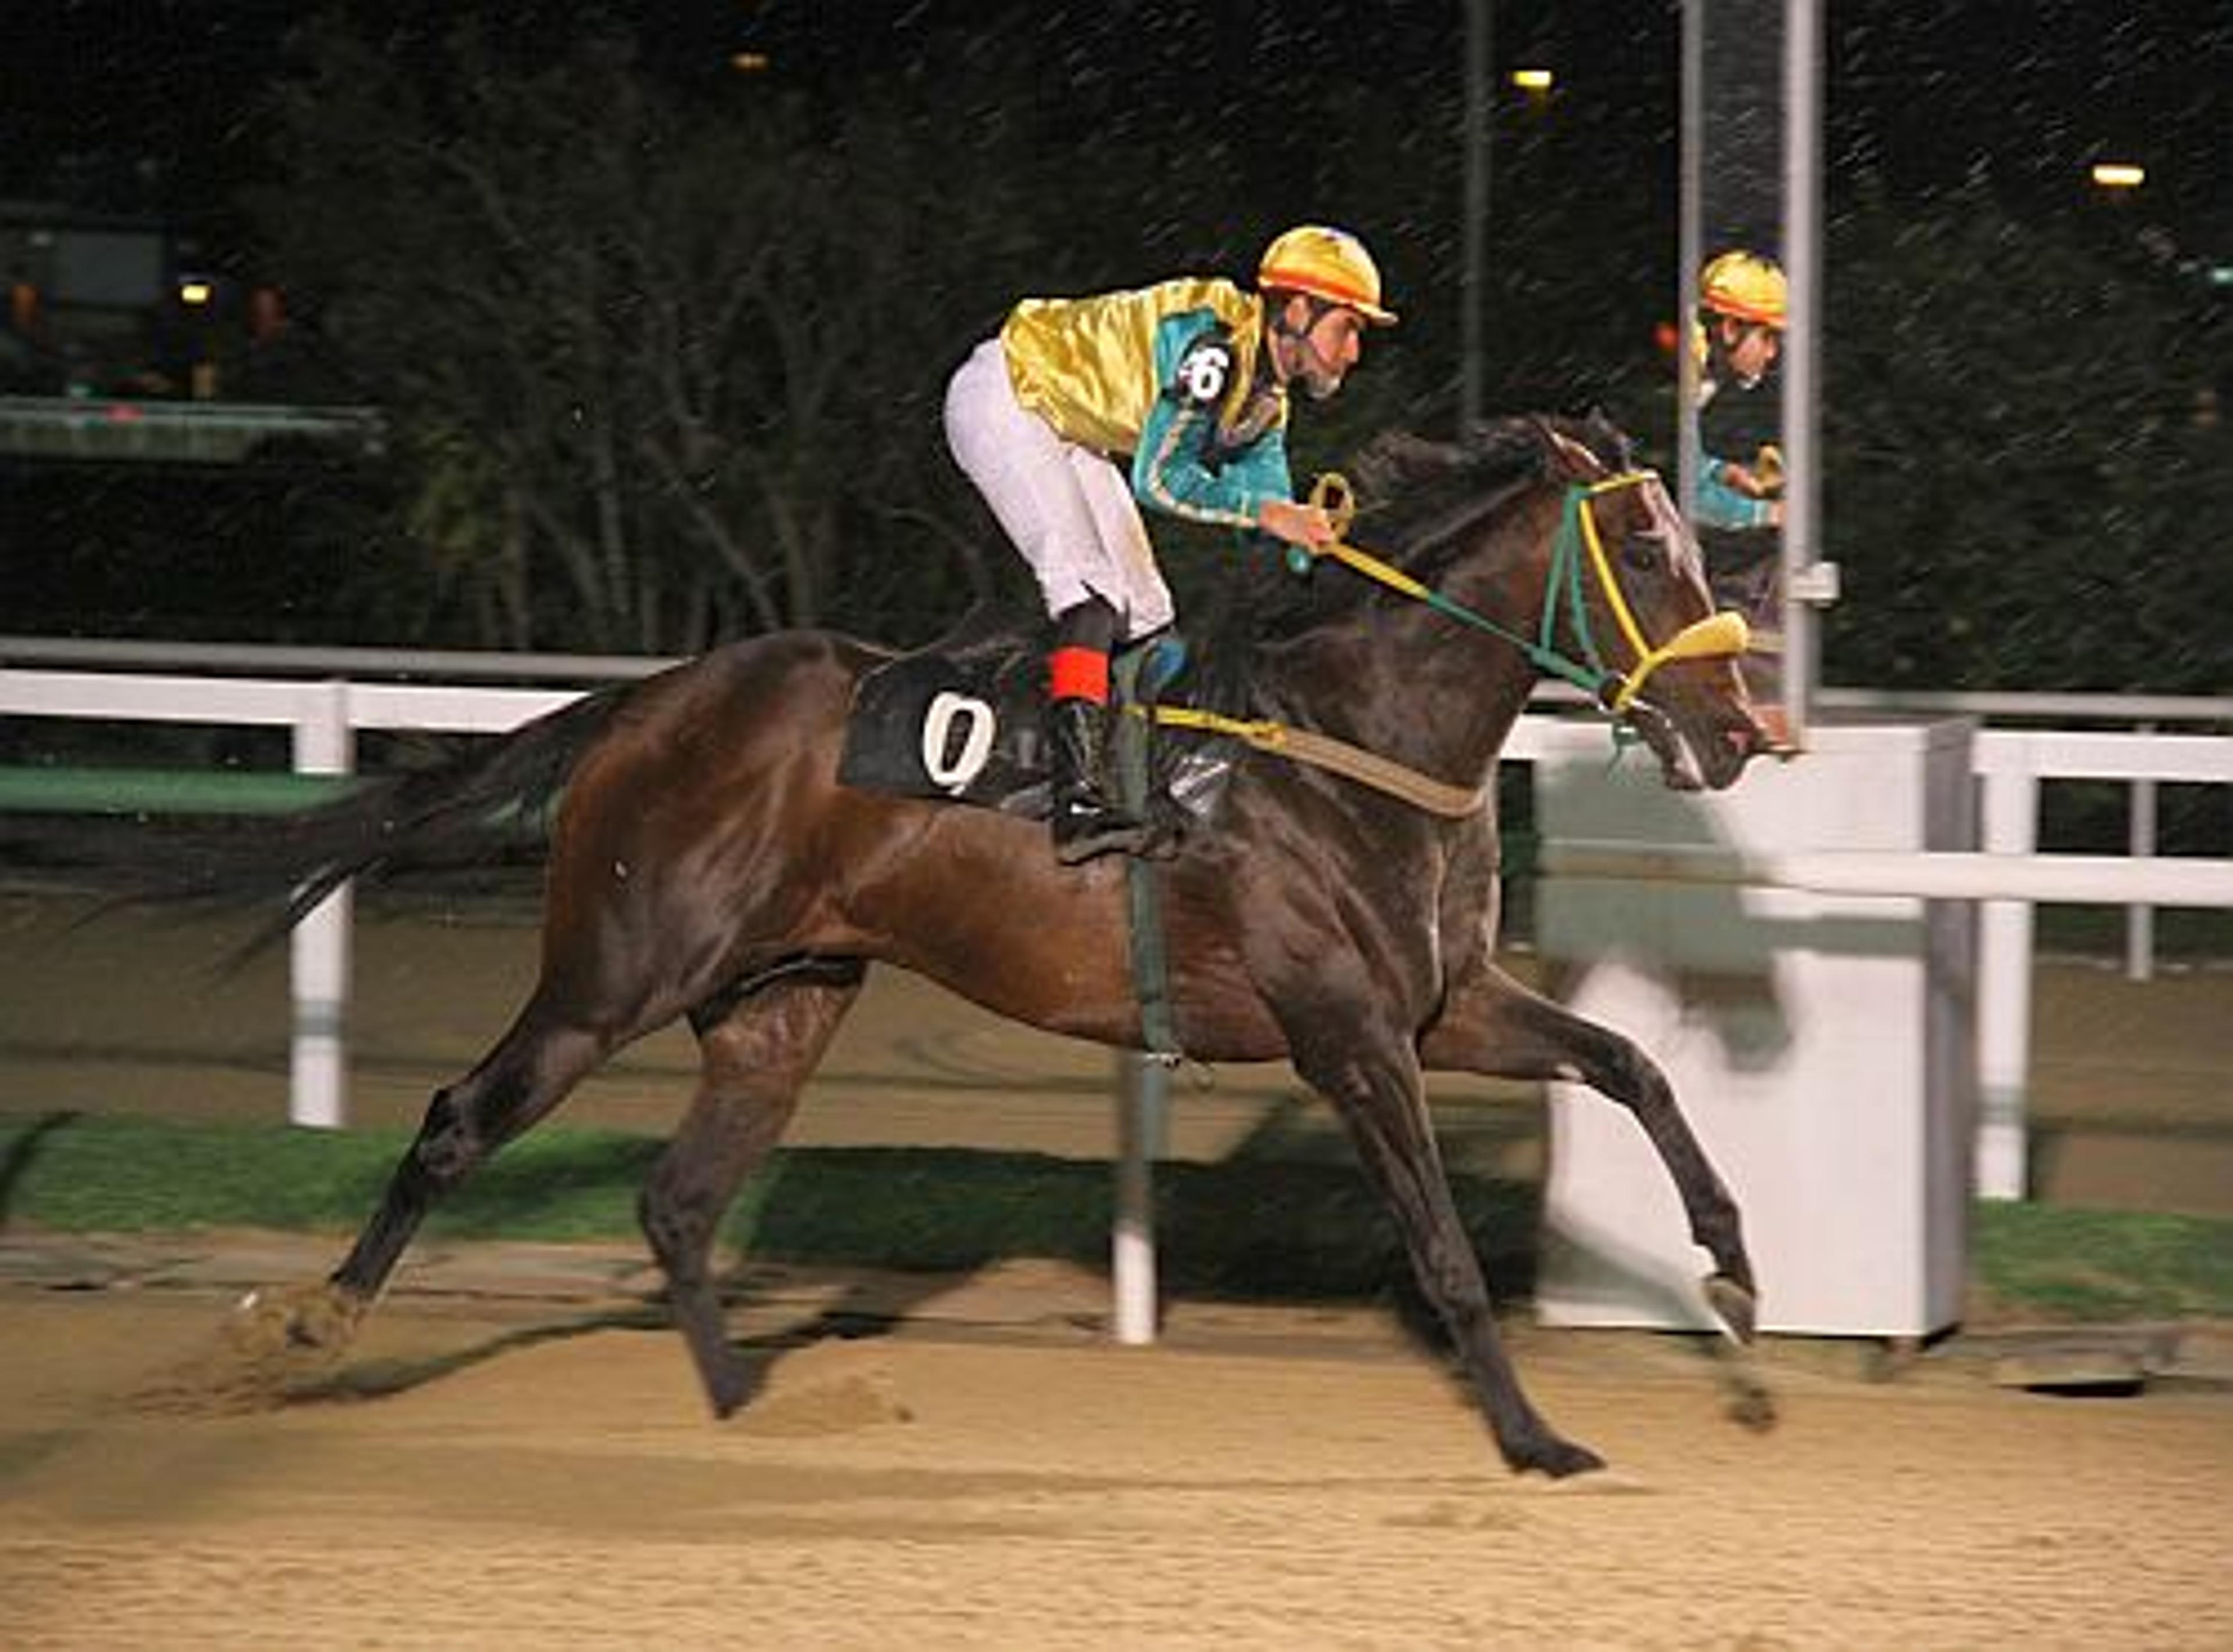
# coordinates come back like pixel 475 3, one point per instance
pixel 469 809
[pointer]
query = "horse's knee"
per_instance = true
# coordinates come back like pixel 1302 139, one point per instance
pixel 447 1147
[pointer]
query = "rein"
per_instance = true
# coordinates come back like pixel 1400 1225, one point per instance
pixel 1717 635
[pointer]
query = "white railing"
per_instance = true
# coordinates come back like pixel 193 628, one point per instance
pixel 325 716
pixel 2006 877
pixel 223 432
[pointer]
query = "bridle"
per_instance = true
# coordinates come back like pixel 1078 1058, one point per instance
pixel 1577 556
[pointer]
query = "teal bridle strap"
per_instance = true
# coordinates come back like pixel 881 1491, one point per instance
pixel 1589 674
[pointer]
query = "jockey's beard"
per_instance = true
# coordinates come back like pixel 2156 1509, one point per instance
pixel 1320 378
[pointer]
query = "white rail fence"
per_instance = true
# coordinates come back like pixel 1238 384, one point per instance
pixel 2008 876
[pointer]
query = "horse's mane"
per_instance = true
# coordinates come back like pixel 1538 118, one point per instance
pixel 1414 494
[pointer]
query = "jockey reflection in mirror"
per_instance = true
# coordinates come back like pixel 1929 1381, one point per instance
pixel 1735 339
pixel 1186 383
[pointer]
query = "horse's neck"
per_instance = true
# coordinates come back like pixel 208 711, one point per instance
pixel 1411 685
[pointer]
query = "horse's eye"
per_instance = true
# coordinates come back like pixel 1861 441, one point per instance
pixel 1641 554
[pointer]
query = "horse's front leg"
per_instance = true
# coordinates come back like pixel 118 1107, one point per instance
pixel 1373 1082
pixel 1494 1026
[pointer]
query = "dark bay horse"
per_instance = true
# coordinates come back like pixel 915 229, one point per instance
pixel 705 863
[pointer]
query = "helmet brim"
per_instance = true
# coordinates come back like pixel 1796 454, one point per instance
pixel 1278 280
pixel 1740 312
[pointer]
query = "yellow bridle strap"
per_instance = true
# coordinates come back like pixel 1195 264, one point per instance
pixel 1618 603
pixel 1717 636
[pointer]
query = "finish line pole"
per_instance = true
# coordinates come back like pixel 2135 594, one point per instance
pixel 1143 1089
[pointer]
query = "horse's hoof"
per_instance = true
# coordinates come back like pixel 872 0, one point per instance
pixel 727 1389
pixel 1557 1458
pixel 315 1321
pixel 1734 1304
pixel 1753 1407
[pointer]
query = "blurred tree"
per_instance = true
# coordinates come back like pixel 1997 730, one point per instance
pixel 2022 479
pixel 663 372
pixel 665 354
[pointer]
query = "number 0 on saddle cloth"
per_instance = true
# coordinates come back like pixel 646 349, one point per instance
pixel 960 720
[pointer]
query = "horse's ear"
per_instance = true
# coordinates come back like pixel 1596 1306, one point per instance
pixel 1572 459
pixel 1608 440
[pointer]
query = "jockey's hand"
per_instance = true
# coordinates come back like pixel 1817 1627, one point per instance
pixel 1744 481
pixel 1305 525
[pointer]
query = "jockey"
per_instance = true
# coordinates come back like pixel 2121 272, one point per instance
pixel 1736 339
pixel 1186 383
pixel 1737 336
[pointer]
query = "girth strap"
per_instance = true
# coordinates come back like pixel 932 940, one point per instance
pixel 1151 978
pixel 1336 757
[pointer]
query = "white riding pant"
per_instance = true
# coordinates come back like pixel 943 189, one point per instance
pixel 1067 508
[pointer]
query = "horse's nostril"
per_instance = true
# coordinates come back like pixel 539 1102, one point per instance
pixel 1747 740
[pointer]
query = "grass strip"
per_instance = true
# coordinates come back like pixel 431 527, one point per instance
pixel 1256 1227
pixel 1242 1227
pixel 2059 1263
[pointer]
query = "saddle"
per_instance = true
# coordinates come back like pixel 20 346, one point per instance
pixel 961 720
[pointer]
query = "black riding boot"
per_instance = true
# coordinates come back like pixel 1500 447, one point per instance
pixel 1085 820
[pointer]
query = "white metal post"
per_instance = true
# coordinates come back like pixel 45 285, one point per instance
pixel 1691 235
pixel 1142 1090
pixel 1805 582
pixel 2140 920
pixel 319 948
pixel 2004 935
pixel 1478 129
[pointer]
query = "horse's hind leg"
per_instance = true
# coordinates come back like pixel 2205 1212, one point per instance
pixel 528 1072
pixel 756 1049
pixel 1494 1026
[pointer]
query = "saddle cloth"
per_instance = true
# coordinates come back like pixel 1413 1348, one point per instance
pixel 960 718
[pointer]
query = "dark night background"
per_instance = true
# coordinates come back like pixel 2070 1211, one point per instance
pixel 2024 467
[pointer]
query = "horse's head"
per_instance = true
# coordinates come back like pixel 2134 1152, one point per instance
pixel 1626 600
pixel 1540 533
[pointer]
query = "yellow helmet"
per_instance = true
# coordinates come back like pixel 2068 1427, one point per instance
pixel 1744 285
pixel 1327 264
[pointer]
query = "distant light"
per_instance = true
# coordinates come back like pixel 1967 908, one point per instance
pixel 2220 274
pixel 1533 79
pixel 2118 174
pixel 748 62
pixel 193 292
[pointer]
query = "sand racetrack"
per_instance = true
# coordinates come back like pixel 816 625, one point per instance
pixel 518 1468
pixel 514 1473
